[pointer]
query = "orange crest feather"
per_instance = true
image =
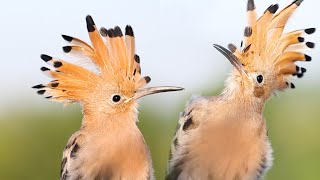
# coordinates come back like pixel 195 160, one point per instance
pixel 265 44
pixel 111 52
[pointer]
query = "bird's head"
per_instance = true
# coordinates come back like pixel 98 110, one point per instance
pixel 266 60
pixel 116 84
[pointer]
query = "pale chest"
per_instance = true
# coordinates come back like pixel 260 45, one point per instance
pixel 228 151
pixel 112 156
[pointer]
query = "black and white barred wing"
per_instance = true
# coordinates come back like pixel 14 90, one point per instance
pixel 69 163
pixel 186 128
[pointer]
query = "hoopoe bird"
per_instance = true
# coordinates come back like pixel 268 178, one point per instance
pixel 109 144
pixel 225 137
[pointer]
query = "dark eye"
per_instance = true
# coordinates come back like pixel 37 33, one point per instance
pixel 260 78
pixel 116 98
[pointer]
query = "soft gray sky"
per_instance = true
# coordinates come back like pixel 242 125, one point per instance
pixel 174 39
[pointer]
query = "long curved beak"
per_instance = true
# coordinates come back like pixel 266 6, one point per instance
pixel 231 57
pixel 153 90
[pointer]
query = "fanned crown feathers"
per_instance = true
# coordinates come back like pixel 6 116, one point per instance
pixel 266 45
pixel 113 54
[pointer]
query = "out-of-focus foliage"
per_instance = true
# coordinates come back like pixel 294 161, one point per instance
pixel 31 143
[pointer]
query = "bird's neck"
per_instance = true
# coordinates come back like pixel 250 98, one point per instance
pixel 117 142
pixel 237 93
pixel 93 118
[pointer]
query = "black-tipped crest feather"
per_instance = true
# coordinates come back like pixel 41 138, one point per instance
pixel 137 58
pixel 251 6
pixel 117 32
pixel 57 64
pixel 66 49
pixel 67 38
pixel 111 33
pixel 44 69
pixel 248 31
pixel 273 8
pixel 232 48
pixel 103 32
pixel 129 31
pixel 265 43
pixel 310 45
pixel 40 92
pixel 298 2
pixel 147 78
pixel 308 58
pixel 112 54
pixel 39 86
pixel 90 23
pixel 45 57
pixel 310 30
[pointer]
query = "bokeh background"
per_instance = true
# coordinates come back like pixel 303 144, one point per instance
pixel 174 41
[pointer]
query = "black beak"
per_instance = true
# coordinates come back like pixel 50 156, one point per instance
pixel 231 57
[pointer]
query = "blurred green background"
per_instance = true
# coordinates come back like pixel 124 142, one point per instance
pixel 174 41
pixel 32 137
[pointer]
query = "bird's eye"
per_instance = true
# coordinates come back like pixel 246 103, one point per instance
pixel 259 78
pixel 116 98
